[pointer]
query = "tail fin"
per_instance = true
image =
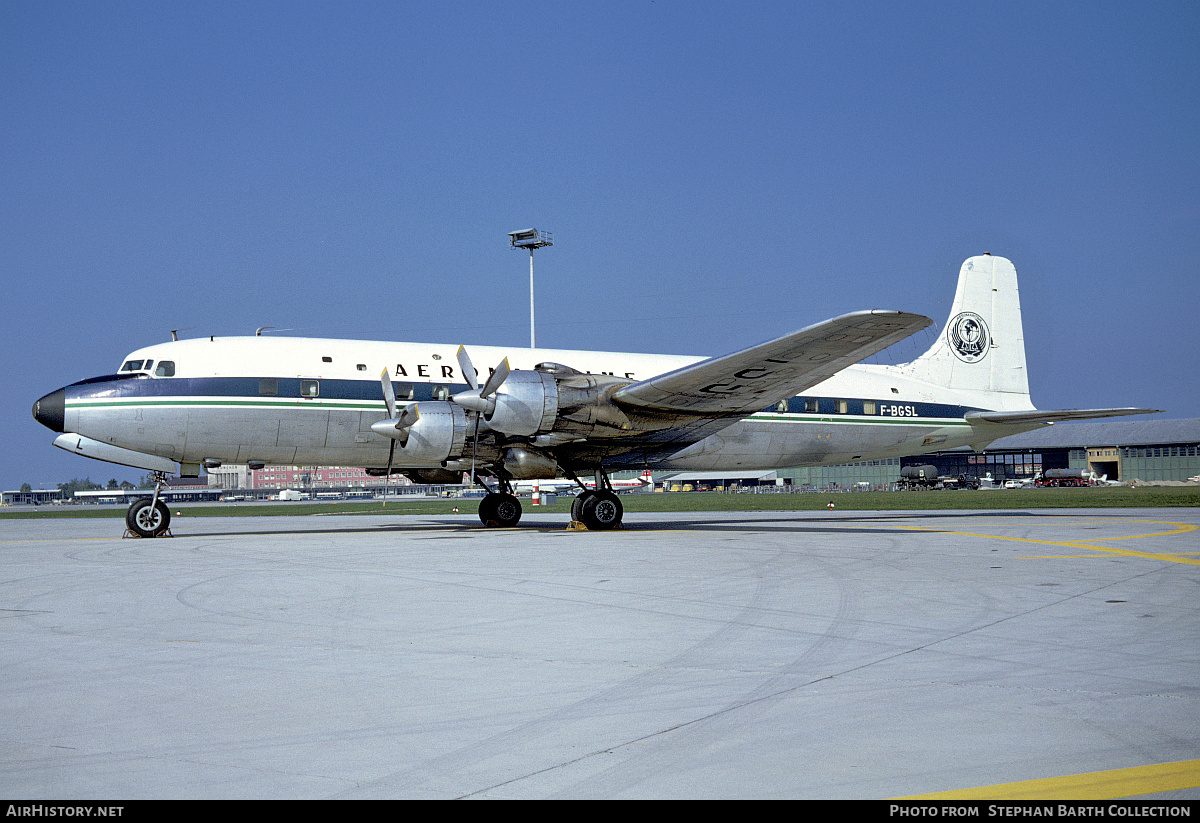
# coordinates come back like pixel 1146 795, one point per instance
pixel 982 348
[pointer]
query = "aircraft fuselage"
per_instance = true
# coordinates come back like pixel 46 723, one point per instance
pixel 296 401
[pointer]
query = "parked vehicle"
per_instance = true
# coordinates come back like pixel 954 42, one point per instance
pixel 1065 477
pixel 918 477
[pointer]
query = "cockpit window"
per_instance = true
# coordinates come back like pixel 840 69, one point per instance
pixel 166 368
pixel 132 365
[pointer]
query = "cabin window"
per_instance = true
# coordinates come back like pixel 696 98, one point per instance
pixel 441 392
pixel 326 359
pixel 868 407
pixel 362 366
pixel 310 388
pixel 810 405
pixel 781 406
pixel 166 368
pixel 268 386
pixel 842 407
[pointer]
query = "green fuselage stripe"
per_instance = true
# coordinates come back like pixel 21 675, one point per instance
pixel 299 403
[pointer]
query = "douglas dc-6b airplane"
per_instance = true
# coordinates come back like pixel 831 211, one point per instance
pixel 804 399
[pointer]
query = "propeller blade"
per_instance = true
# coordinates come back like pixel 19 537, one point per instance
pixel 495 379
pixel 389 394
pixel 397 427
pixel 408 416
pixel 468 370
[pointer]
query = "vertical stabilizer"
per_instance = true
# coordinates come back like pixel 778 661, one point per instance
pixel 982 347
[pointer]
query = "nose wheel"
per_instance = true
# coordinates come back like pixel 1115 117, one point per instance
pixel 148 518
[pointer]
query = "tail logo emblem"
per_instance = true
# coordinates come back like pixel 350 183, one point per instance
pixel 968 335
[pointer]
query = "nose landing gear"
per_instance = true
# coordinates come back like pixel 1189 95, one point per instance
pixel 149 517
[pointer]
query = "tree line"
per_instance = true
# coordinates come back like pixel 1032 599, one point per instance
pixel 67 490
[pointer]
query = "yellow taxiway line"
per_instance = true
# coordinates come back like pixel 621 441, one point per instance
pixel 1089 544
pixel 1106 785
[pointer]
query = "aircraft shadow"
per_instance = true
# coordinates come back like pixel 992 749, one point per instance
pixel 807 522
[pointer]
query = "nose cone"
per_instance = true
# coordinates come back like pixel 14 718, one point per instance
pixel 49 410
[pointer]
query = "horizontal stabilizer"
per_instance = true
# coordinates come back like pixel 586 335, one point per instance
pixel 753 378
pixel 1038 416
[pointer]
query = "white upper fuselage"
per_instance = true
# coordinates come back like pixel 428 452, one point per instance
pixel 433 363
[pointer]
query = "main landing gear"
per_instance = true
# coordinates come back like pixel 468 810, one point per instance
pixel 149 517
pixel 598 509
pixel 500 510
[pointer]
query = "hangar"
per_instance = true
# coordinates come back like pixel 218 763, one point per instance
pixel 1126 450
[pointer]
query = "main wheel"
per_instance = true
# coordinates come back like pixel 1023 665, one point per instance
pixel 577 505
pixel 500 510
pixel 601 511
pixel 145 520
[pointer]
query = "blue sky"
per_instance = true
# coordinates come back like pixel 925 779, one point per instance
pixel 714 175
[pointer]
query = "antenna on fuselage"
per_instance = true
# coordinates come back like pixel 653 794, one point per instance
pixel 258 332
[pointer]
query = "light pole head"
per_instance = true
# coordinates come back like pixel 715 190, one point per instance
pixel 530 239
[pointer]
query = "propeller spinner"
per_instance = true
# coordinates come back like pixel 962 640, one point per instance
pixel 479 399
pixel 396 426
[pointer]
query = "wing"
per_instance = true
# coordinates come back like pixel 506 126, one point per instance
pixel 753 378
pixel 1018 418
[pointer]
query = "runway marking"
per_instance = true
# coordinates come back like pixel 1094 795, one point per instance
pixel 1083 543
pixel 1105 785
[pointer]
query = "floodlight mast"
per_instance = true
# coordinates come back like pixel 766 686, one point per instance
pixel 530 239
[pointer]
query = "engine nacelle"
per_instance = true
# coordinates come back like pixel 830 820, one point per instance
pixel 526 404
pixel 439 434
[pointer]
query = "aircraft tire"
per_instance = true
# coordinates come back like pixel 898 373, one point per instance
pixel 145 520
pixel 500 510
pixel 577 505
pixel 602 511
